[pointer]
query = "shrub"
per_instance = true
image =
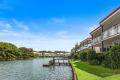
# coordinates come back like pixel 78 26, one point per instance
pixel 76 56
pixel 83 56
pixel 112 58
pixel 100 57
pixel 91 56
pixel 95 58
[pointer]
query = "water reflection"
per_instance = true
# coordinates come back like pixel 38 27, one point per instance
pixel 33 70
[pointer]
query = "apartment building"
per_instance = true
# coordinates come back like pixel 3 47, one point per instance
pixel 85 44
pixel 97 39
pixel 107 33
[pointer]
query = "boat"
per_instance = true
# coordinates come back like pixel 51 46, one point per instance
pixel 46 65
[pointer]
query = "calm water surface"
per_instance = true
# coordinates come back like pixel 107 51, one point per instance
pixel 33 70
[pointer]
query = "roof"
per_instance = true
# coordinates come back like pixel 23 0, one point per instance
pixel 106 18
pixel 110 14
pixel 89 38
pixel 95 29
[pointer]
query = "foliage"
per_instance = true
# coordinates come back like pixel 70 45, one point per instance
pixel 26 52
pixel 75 51
pixel 83 56
pixel 4 45
pixel 9 51
pixel 92 57
pixel 109 59
pixel 72 53
pixel 76 56
pixel 95 58
pixel 100 57
pixel 112 58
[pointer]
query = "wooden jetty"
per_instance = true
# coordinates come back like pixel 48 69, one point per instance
pixel 58 61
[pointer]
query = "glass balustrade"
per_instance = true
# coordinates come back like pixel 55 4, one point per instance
pixel 118 28
pixel 85 46
pixel 106 34
pixel 111 32
pixel 96 40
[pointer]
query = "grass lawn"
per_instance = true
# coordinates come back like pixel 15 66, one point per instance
pixel 85 71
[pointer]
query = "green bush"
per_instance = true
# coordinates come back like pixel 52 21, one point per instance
pixel 76 56
pixel 95 58
pixel 109 59
pixel 112 57
pixel 83 56
pixel 100 57
pixel 91 57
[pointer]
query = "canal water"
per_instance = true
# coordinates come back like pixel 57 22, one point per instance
pixel 33 70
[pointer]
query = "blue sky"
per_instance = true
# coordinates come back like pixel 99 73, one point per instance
pixel 51 24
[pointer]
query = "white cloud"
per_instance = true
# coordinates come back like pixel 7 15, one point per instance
pixel 62 34
pixel 5 25
pixel 38 42
pixel 8 33
pixel 13 23
pixel 20 25
pixel 57 40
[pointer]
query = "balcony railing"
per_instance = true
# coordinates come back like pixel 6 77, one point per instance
pixel 96 40
pixel 115 30
pixel 105 34
pixel 119 28
pixel 85 47
pixel 111 32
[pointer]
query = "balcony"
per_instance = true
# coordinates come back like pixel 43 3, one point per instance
pixel 119 28
pixel 96 40
pixel 115 30
pixel 85 46
pixel 105 34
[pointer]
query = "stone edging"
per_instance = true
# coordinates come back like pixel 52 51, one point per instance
pixel 74 75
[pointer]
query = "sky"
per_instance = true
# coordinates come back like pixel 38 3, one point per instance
pixel 51 24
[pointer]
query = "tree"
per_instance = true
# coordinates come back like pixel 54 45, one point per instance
pixel 9 51
pixel 26 52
